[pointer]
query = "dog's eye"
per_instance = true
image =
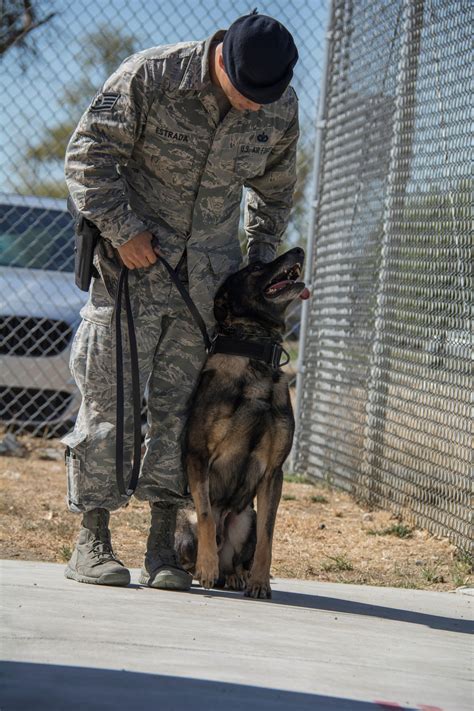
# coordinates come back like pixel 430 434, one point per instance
pixel 255 267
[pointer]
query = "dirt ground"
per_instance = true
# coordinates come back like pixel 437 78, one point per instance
pixel 321 533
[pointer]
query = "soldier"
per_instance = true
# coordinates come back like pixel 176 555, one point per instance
pixel 165 149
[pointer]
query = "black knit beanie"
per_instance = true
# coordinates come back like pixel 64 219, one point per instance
pixel 259 55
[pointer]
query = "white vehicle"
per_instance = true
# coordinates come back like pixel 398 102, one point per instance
pixel 39 313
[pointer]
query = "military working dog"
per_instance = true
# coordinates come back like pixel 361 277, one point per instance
pixel 239 433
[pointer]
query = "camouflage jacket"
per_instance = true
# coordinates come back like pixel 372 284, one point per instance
pixel 150 152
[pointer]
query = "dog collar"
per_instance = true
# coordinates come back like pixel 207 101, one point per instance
pixel 269 352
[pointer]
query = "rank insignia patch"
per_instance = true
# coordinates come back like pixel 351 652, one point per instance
pixel 104 102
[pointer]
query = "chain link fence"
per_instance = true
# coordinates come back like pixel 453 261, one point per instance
pixel 384 392
pixel 54 56
pixel 385 385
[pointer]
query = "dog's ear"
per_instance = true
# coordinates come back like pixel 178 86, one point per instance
pixel 221 304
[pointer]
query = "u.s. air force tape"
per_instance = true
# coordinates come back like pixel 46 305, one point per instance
pixel 104 102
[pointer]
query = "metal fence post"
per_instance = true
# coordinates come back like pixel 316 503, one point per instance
pixel 311 237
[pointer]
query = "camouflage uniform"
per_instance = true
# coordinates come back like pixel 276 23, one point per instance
pixel 151 153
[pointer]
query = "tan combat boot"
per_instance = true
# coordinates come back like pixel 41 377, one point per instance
pixel 161 568
pixel 93 560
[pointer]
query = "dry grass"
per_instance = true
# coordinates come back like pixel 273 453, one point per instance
pixel 321 534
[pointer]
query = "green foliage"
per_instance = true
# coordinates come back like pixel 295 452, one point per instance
pixel 319 499
pixel 462 568
pixel 465 558
pixel 431 574
pixel 337 563
pixel 52 146
pixel 460 574
pixel 398 529
pixel 100 55
pixel 30 180
pixel 65 553
pixel 296 479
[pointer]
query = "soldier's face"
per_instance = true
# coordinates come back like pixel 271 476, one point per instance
pixel 236 99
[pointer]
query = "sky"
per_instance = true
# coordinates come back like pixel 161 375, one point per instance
pixel 31 97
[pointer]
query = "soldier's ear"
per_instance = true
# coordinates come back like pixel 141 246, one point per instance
pixel 219 57
pixel 221 304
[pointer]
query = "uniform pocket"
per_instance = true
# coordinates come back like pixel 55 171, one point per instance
pixel 168 143
pixel 99 308
pixel 75 341
pixel 252 153
pixel 108 266
pixel 75 456
pixel 250 165
pixel 92 362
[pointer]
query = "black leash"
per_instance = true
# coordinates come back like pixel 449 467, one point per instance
pixel 268 352
pixel 122 289
pixel 189 302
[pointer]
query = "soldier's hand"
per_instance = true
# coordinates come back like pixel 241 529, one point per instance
pixel 138 252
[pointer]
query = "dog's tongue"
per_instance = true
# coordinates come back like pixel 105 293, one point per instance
pixel 305 293
pixel 279 285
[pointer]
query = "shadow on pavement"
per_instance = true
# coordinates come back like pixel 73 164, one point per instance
pixel 49 687
pixel 350 607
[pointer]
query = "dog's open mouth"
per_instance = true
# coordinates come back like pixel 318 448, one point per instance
pixel 284 280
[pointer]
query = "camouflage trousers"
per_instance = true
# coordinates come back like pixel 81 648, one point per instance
pixel 171 354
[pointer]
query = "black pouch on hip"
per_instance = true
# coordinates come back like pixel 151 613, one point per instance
pixel 85 241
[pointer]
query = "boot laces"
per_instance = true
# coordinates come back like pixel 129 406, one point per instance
pixel 102 546
pixel 102 551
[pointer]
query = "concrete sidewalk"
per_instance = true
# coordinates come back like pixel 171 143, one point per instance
pixel 314 646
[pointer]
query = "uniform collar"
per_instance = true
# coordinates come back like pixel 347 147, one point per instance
pixel 196 75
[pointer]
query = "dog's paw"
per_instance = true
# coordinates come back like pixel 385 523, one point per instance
pixel 235 582
pixel 259 589
pixel 207 571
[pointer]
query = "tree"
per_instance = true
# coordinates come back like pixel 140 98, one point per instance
pixel 42 170
pixel 18 19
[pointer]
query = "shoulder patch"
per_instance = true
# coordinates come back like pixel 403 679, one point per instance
pixel 104 102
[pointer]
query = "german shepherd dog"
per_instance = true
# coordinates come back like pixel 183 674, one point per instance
pixel 238 434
